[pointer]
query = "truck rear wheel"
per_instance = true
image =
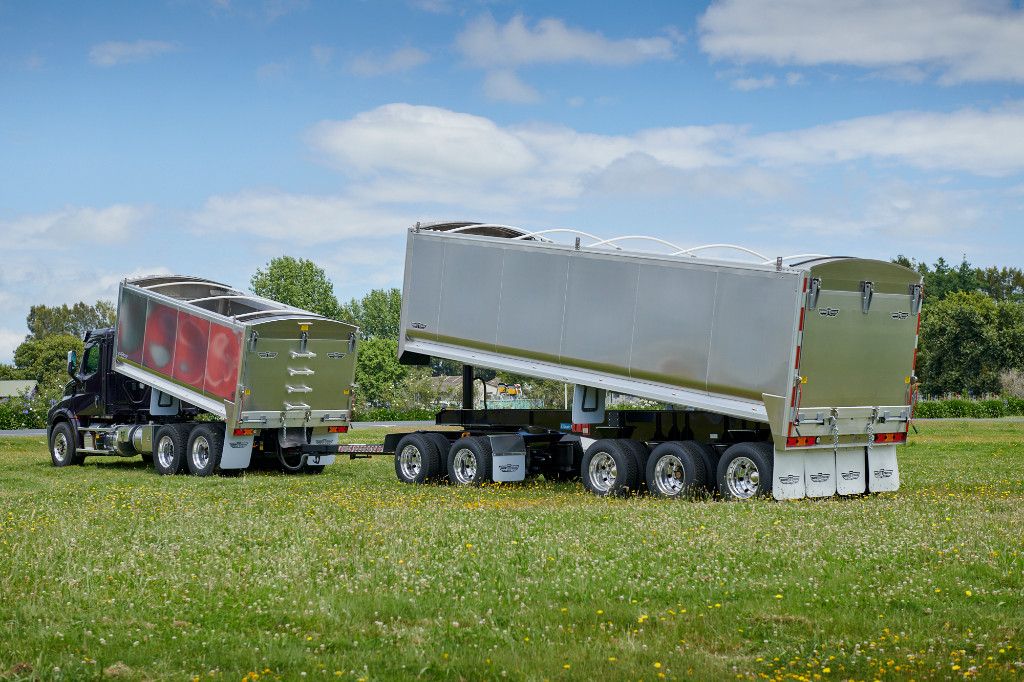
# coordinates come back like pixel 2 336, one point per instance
pixel 417 459
pixel 469 461
pixel 443 445
pixel 676 469
pixel 64 446
pixel 609 469
pixel 745 471
pixel 205 446
pixel 641 453
pixel 169 449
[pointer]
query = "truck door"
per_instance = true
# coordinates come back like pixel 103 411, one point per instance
pixel 89 397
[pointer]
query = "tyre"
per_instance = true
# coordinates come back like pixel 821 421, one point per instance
pixel 609 469
pixel 416 459
pixel 469 461
pixel 710 457
pixel 64 446
pixel 745 471
pixel 443 445
pixel 640 452
pixel 169 449
pixel 147 459
pixel 314 468
pixel 676 469
pixel 205 447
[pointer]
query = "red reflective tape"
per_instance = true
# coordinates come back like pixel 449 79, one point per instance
pixel 797 365
pixel 805 285
pixel 802 311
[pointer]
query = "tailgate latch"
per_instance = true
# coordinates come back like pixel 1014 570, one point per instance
pixel 867 290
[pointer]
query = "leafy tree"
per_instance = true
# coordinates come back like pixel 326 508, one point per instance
pixel 11 372
pixel 296 282
pixel 960 345
pixel 44 320
pixel 377 313
pixel 45 360
pixel 378 374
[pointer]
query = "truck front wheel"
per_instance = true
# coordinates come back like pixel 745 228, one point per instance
pixel 205 446
pixel 63 446
pixel 169 450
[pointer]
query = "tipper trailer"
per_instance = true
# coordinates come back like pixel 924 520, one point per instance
pixel 790 376
pixel 198 376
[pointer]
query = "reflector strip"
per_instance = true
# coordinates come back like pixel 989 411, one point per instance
pixel 337 429
pixel 891 437
pixel 801 441
pixel 581 428
pixel 244 432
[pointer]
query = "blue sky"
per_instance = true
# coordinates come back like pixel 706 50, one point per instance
pixel 207 136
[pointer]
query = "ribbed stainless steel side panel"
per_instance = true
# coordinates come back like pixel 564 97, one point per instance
pixel 701 333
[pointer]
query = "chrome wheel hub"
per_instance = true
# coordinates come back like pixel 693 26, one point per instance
pixel 669 475
pixel 200 453
pixel 603 472
pixel 410 461
pixel 165 452
pixel 742 477
pixel 464 465
pixel 60 447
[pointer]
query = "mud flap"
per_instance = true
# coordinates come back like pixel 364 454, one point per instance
pixel 851 472
pixel 883 472
pixel 820 473
pixel 788 473
pixel 237 450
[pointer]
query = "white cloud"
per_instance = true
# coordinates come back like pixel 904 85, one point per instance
pixel 433 6
pixel 963 40
pixel 321 54
pixel 72 224
pixel 113 53
pixel 748 84
pixel 9 340
pixel 272 71
pixel 488 44
pixel 505 86
pixel 400 60
pixel 982 142
pixel 298 218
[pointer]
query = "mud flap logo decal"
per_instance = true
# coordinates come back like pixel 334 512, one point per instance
pixel 789 480
pixel 900 315
pixel 829 312
pixel 508 468
pixel 883 473
pixel 418 325
pixel 850 475
pixel 820 477
pixel 336 355
pixel 267 354
pixel 238 444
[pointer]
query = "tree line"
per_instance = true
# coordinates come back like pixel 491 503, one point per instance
pixel 971 340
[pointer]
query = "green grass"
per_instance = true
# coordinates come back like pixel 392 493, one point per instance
pixel 108 570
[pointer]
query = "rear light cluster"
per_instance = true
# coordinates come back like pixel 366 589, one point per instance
pixel 244 432
pixel 801 441
pixel 337 429
pixel 891 437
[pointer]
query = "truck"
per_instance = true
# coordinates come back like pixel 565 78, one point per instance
pixel 198 377
pixel 791 376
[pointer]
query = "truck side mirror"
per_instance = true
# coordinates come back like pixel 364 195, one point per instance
pixel 72 363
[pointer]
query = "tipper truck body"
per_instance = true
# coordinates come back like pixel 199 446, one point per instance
pixel 201 377
pixel 793 376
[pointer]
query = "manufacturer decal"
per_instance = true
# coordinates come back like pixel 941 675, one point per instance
pixel 850 475
pixel 267 354
pixel 418 325
pixel 508 468
pixel 883 473
pixel 820 477
pixel 238 444
pixel 323 441
pixel 121 354
pixel 828 312
pixel 900 315
pixel 336 355
pixel 789 480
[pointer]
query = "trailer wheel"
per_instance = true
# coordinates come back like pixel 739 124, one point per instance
pixel 710 457
pixel 641 453
pixel 609 469
pixel 676 469
pixel 416 459
pixel 745 471
pixel 64 446
pixel 169 449
pixel 205 446
pixel 469 461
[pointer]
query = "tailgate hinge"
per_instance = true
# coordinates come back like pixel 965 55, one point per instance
pixel 867 291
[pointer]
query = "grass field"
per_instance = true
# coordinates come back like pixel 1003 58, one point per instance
pixel 110 571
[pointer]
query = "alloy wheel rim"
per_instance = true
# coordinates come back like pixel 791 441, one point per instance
pixel 742 477
pixel 200 452
pixel 60 447
pixel 603 472
pixel 669 475
pixel 165 452
pixel 464 465
pixel 411 461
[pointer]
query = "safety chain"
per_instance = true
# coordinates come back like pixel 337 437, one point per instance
pixel 834 420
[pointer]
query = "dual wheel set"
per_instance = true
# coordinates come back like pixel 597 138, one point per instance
pixel 610 467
